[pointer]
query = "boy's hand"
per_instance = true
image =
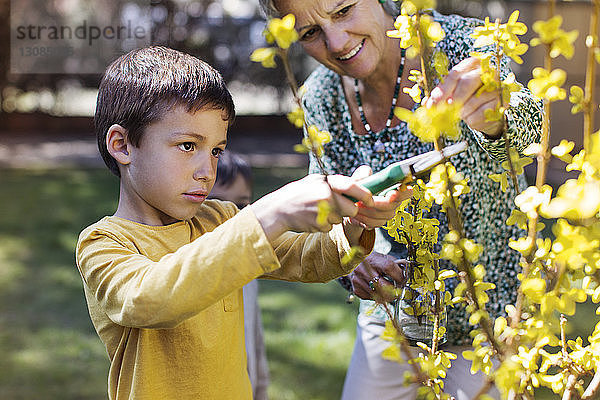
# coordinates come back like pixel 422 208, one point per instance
pixel 382 210
pixel 295 206
pixel 378 213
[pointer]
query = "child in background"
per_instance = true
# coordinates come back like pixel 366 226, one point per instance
pixel 234 183
pixel 163 276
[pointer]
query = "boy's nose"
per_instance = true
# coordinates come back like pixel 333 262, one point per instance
pixel 205 171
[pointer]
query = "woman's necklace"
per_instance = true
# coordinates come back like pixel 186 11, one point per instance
pixel 378 146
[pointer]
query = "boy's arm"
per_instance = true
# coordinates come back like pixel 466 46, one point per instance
pixel 295 206
pixel 316 257
pixel 136 291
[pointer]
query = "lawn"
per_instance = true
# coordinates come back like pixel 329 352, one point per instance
pixel 48 345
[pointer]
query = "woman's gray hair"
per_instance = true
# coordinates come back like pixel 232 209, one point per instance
pixel 392 7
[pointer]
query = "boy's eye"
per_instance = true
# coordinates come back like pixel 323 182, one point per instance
pixel 187 146
pixel 217 152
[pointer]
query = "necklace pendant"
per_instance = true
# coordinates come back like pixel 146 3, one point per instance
pixel 378 146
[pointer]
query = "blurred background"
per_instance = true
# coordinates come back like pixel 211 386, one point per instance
pixel 53 183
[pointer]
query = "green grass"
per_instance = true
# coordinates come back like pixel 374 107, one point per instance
pixel 49 347
pixel 309 336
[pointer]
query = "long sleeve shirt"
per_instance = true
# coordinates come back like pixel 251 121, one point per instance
pixel 167 300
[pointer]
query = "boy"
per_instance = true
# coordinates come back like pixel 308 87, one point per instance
pixel 234 183
pixel 163 275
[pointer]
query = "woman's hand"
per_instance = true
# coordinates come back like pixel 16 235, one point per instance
pixel 379 277
pixel 461 85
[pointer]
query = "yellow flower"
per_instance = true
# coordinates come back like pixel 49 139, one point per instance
pixel 296 117
pixel 301 148
pixel 534 288
pixel 316 139
pixel 441 63
pixel 413 6
pixel 576 98
pixel 414 92
pixel 451 252
pixel 408 25
pixel 531 198
pixel 517 217
pixel 505 35
pixel 323 210
pixel 392 353
pixel 560 42
pixel 485 35
pixel 576 198
pixel 515 50
pixel 533 149
pixel 472 250
pixel 488 73
pixel 282 30
pixel 428 124
pixel 389 333
pixel 518 162
pixel 265 56
pixel 543 248
pixel 460 183
pixel 437 187
pixel 513 26
pixel 500 178
pixel 406 31
pixel 494 114
pixel 547 85
pixel 522 245
pixel 563 150
pixel 415 76
pixel 430 230
pixel 412 227
pixel 509 85
pixel 355 251
pixel 433 30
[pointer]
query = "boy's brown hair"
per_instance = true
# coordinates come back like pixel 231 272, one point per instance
pixel 139 87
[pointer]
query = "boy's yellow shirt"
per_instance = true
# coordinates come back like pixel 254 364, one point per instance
pixel 169 307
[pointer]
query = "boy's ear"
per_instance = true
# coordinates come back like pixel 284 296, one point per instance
pixel 117 144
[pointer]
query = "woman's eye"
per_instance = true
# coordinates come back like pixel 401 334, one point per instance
pixel 217 152
pixel 187 146
pixel 309 34
pixel 343 11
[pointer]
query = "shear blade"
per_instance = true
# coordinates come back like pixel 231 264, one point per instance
pixel 435 157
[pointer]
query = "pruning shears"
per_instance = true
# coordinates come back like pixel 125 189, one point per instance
pixel 408 170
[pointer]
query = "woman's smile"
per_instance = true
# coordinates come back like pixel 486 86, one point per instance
pixel 352 52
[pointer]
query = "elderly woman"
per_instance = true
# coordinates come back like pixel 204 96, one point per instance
pixel 352 95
